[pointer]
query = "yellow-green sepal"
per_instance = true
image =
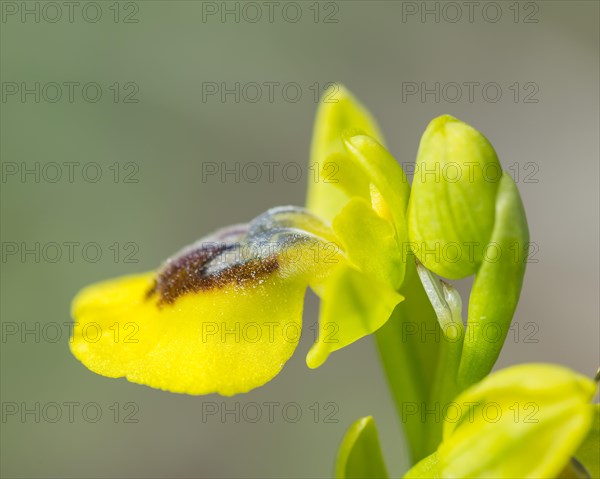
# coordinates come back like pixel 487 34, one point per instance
pixel 369 242
pixel 359 455
pixel 338 111
pixel 390 189
pixel 353 305
pixel 350 179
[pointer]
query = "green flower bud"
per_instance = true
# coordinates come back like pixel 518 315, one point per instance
pixel 526 421
pixel 452 203
pixel 465 216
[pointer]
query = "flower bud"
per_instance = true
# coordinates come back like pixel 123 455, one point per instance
pixel 525 421
pixel 452 203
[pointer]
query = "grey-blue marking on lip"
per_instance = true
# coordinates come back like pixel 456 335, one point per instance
pixel 238 254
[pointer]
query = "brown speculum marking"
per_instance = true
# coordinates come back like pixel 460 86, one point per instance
pixel 189 273
pixel 237 255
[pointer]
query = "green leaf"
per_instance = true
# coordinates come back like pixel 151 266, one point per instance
pixel 452 203
pixel 589 452
pixel 359 455
pixel 496 288
pixel 338 111
pixel 353 305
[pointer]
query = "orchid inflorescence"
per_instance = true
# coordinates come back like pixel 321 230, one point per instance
pixel 372 247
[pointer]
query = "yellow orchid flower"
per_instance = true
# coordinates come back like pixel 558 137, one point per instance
pixel 224 314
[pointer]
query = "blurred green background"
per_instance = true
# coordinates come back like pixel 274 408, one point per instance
pixel 163 54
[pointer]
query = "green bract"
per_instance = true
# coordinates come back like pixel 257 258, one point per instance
pixel 496 288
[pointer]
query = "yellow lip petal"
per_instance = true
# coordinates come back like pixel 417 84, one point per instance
pixel 215 318
pixel 115 325
pixel 229 340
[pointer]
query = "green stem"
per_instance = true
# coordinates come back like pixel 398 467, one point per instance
pixel 447 304
pixel 445 388
pixel 408 350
